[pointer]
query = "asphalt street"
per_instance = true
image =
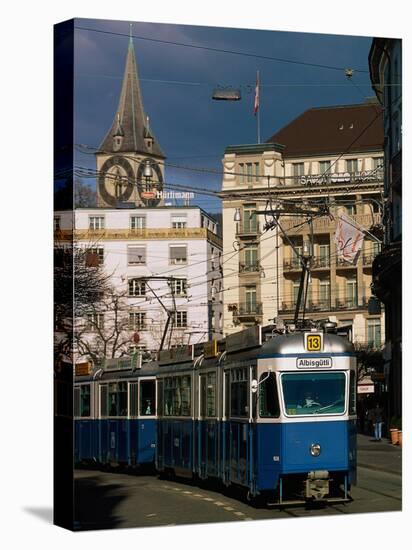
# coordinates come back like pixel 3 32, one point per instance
pixel 109 499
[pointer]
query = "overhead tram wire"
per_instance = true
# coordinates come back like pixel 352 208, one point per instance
pixel 264 177
pixel 221 50
pixel 248 87
pixel 237 194
pixel 85 172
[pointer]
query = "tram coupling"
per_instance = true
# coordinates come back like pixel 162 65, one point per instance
pixel 317 485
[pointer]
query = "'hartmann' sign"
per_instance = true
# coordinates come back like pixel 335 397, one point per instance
pixel 314 363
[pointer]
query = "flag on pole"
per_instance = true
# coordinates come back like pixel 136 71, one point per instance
pixel 348 238
pixel 256 106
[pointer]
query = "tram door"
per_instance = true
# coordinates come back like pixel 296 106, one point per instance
pixel 239 428
pixel 147 423
pixel 208 426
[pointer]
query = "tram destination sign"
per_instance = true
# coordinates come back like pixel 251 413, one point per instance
pixel 314 362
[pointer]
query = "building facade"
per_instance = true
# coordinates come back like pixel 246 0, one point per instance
pixel 385 65
pixel 160 262
pixel 315 159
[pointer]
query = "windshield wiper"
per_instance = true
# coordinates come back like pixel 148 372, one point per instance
pixel 328 406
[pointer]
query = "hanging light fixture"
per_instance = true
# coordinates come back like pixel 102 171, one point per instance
pixel 226 94
pixel 148 170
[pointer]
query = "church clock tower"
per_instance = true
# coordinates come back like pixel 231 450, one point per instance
pixel 130 162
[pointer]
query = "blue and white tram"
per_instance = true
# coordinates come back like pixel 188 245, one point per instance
pixel 271 412
pixel 115 416
pixel 304 417
pixel 275 417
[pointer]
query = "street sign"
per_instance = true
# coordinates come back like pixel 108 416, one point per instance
pixel 366 388
pixel 148 194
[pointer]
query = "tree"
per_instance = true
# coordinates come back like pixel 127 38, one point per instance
pixel 84 195
pixel 103 331
pixel 79 284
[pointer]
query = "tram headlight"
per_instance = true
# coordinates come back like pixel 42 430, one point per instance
pixel 315 449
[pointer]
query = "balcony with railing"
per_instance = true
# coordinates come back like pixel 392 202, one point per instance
pixel 352 303
pixel 247 310
pixel 341 263
pixel 325 224
pixel 311 306
pixel 248 229
pixel 245 268
pixel 348 304
pixel 292 265
pixel 336 178
pixel 368 259
pixel 318 262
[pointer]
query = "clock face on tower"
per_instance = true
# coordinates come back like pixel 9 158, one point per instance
pixel 149 186
pixel 116 180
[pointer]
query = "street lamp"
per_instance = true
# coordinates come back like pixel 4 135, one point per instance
pixel 237 216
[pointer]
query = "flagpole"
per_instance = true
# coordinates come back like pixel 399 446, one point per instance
pixel 258 112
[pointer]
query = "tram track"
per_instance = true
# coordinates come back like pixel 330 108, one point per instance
pixel 379 493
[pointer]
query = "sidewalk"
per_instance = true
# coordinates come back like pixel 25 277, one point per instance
pixel 379 455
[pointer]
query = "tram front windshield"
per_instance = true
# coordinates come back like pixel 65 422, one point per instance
pixel 314 393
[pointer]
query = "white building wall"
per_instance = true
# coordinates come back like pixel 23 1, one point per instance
pixel 198 303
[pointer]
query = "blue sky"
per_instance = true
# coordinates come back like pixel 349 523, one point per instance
pixel 177 84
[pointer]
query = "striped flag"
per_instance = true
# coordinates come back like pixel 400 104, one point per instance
pixel 256 106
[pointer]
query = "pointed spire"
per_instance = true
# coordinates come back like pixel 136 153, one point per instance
pixel 130 121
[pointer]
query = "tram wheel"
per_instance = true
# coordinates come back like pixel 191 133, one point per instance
pixel 257 501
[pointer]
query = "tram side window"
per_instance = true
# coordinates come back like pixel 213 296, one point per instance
pixel 227 394
pixel 208 394
pixel 147 397
pixel 239 392
pixel 85 400
pixel 133 399
pixel 352 393
pixel 168 396
pixel 177 396
pixel 268 396
pixel 77 401
pixel 160 397
pixel 82 400
pixel 113 399
pixel 103 400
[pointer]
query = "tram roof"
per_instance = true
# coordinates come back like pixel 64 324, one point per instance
pixel 292 344
pixel 148 369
